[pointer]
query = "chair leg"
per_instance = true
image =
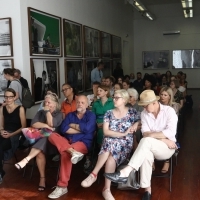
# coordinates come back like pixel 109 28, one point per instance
pixel 58 173
pixel 170 178
pixel 32 169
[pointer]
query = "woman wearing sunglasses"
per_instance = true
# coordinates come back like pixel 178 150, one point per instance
pixel 118 127
pixel 50 118
pixel 12 120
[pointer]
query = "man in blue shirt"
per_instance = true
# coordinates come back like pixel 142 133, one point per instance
pixel 78 130
pixel 96 73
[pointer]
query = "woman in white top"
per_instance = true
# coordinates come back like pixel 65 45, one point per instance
pixel 14 84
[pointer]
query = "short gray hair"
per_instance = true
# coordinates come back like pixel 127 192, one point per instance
pixel 133 92
pixel 124 94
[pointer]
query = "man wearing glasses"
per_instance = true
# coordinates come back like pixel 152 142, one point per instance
pixel 159 124
pixel 96 73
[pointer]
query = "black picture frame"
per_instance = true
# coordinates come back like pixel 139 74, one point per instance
pixel 44 76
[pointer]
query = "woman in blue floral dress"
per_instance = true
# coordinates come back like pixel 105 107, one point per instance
pixel 118 127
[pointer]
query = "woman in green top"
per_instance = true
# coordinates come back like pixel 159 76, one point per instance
pixel 100 107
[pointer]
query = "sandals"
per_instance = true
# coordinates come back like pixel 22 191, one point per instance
pixel 165 167
pixel 21 164
pixel 41 188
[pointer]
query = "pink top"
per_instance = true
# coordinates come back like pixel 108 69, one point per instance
pixel 166 122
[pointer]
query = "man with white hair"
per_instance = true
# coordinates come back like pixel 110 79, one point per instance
pixel 78 130
pixel 159 124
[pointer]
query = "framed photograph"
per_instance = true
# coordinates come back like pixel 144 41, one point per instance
pixel 187 59
pixel 107 70
pixel 44 77
pixel 74 74
pixel 91 42
pixel 116 47
pixel 7 63
pixel 89 66
pixel 155 59
pixel 44 33
pixel 72 38
pixel 105 45
pixel 6 47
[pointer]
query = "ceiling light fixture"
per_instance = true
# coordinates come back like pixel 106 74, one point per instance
pixel 187 8
pixel 137 4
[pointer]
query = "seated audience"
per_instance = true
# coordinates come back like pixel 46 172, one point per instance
pixel 78 130
pixel 69 104
pixel 100 107
pixel 118 127
pixel 14 84
pixel 133 97
pixel 120 80
pixel 118 86
pixel 50 117
pixel 126 84
pixel 168 76
pixel 93 97
pixel 178 96
pixel 149 83
pixel 167 98
pixel 109 83
pixel 159 129
pixel 12 120
pixel 163 80
pixel 103 81
pixel 132 78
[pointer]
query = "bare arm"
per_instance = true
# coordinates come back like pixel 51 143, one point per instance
pixel 109 133
pixel 72 131
pixel 41 125
pixel 1 118
pixel 49 119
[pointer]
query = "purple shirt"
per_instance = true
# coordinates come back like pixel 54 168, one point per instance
pixel 87 127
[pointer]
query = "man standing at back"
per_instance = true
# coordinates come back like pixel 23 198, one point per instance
pixel 17 75
pixel 96 73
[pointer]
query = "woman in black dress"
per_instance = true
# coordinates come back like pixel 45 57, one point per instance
pixel 12 120
pixel 50 117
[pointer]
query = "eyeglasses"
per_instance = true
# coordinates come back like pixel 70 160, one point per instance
pixel 130 96
pixel 65 89
pixel 8 97
pixel 116 98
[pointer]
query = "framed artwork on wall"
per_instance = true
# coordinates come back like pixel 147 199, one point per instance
pixel 6 63
pixel 44 33
pixel 91 42
pixel 155 59
pixel 6 46
pixel 72 38
pixel 89 66
pixel 186 59
pixel 74 74
pixel 44 76
pixel 105 45
pixel 107 70
pixel 116 47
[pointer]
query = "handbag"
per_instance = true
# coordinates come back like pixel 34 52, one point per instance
pixel 34 134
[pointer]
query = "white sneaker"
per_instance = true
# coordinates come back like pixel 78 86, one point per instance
pixel 56 158
pixel 76 157
pixel 58 192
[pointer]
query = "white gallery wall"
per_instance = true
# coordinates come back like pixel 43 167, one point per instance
pixel 148 36
pixel 111 16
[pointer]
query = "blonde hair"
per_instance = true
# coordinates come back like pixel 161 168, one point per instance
pixel 133 92
pixel 54 98
pixel 170 93
pixel 124 94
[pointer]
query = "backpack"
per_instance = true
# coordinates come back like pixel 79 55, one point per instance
pixel 27 98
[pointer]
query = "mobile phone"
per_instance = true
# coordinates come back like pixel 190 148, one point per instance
pixel 178 145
